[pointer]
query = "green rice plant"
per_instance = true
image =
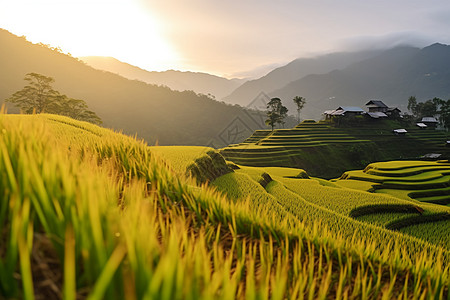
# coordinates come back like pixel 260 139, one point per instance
pixel 355 184
pixel 340 200
pixel 122 224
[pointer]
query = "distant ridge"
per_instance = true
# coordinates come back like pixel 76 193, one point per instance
pixel 392 76
pixel 181 81
pixel 295 70
pixel 152 112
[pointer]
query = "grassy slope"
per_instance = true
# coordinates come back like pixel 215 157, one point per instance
pixel 314 200
pixel 129 105
pixel 110 220
pixel 310 144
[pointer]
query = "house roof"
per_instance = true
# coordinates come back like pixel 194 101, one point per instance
pixel 400 130
pixel 334 112
pixel 429 120
pixel 376 103
pixel 350 108
pixel 421 125
pixel 432 155
pixel 393 108
pixel 377 115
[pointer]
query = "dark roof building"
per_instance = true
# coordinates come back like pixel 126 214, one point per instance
pixel 377 106
pixel 430 121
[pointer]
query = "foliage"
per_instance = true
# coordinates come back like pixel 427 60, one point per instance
pixel 443 108
pixel 308 145
pixel 299 102
pixel 422 109
pixel 276 112
pixel 431 107
pixel 88 213
pixel 37 96
pixel 40 97
pixel 425 181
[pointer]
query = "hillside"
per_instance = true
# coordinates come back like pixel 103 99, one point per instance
pixel 153 113
pixel 310 143
pixel 176 80
pixel 299 68
pixel 89 213
pixel 392 76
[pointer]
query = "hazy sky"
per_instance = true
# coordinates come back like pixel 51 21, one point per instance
pixel 224 37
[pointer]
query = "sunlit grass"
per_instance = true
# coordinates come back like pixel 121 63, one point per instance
pixel 120 224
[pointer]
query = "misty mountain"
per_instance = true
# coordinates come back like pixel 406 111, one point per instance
pixel 392 76
pixel 176 80
pixel 152 112
pixel 295 70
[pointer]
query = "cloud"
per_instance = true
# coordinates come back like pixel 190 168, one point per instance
pixel 256 72
pixel 386 41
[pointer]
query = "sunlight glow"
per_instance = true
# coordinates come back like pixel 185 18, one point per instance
pixel 117 28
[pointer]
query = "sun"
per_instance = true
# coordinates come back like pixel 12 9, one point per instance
pixel 119 28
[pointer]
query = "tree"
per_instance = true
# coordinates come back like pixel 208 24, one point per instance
pixel 443 111
pixel 76 109
pixel 300 102
pixel 283 115
pixel 276 112
pixel 36 96
pixel 428 108
pixel 39 96
pixel 412 105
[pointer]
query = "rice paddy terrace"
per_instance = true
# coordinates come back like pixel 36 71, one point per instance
pixel 309 144
pixel 424 181
pixel 87 213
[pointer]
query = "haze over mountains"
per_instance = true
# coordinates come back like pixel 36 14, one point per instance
pixel 281 76
pixel 181 81
pixel 393 76
pixel 351 79
pixel 155 113
pixel 328 81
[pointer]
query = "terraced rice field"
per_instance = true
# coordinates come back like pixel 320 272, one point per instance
pixel 419 180
pixel 309 199
pixel 290 147
pixel 87 213
pixel 305 145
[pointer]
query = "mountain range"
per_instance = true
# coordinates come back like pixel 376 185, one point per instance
pixel 158 112
pixel 154 113
pixel 333 80
pixel 392 76
pixel 198 82
pixel 296 69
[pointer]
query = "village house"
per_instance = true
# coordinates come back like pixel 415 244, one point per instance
pixel 430 121
pixel 346 111
pixel 376 110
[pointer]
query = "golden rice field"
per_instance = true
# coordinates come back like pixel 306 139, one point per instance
pixel 87 213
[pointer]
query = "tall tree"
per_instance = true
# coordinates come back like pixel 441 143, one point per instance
pixel 300 102
pixel 36 96
pixel 75 108
pixel 427 108
pixel 412 105
pixel 40 97
pixel 443 110
pixel 276 112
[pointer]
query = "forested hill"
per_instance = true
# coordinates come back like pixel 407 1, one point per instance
pixel 155 113
pixel 392 76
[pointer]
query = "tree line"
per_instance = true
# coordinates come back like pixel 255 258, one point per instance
pixel 431 108
pixel 277 112
pixel 38 96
